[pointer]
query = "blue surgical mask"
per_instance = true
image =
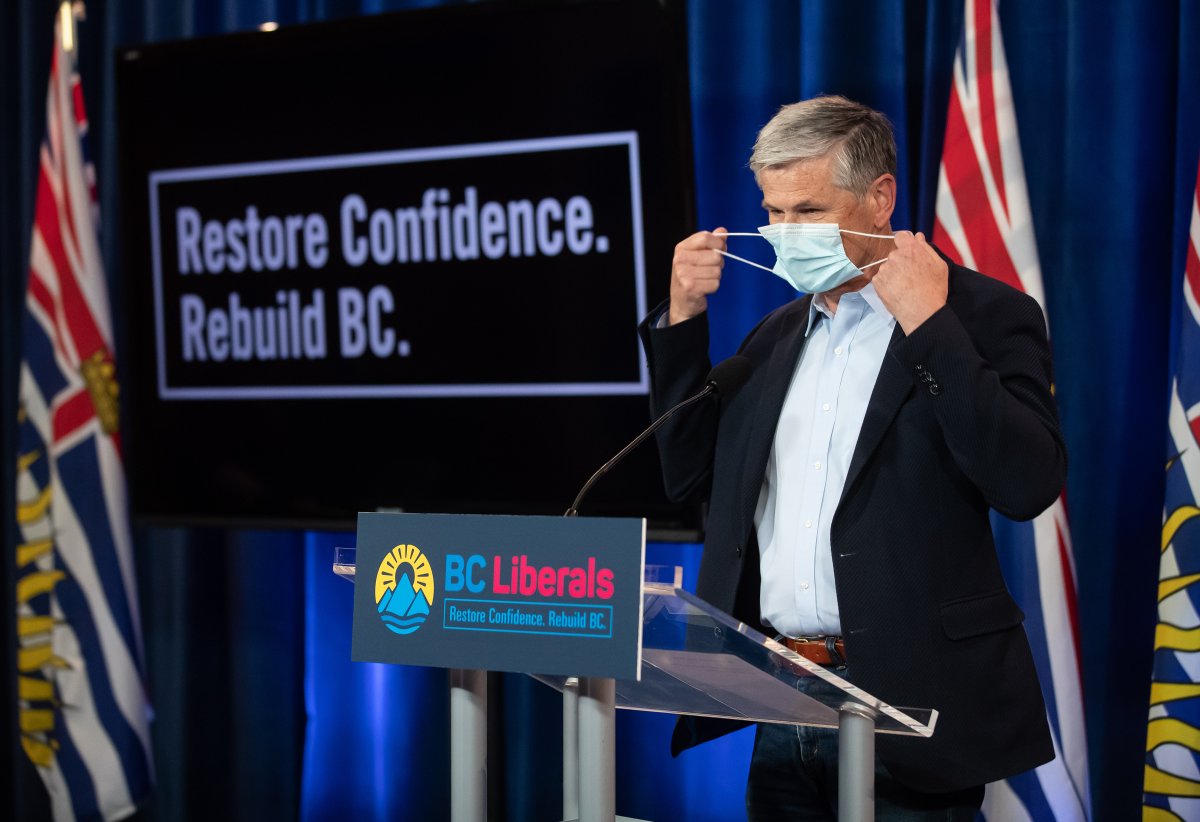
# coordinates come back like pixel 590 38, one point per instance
pixel 810 257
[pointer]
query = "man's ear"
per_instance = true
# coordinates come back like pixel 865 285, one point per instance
pixel 881 200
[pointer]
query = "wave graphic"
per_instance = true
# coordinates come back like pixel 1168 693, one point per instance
pixel 400 626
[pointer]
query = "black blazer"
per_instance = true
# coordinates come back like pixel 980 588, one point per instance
pixel 961 419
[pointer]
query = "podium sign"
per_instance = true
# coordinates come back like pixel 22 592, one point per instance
pixel 554 595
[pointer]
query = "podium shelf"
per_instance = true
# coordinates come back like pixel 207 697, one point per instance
pixel 697 660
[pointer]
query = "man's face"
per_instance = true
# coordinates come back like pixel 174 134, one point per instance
pixel 803 192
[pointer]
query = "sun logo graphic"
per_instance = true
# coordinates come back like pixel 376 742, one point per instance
pixel 404 589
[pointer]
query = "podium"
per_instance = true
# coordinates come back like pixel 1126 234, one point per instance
pixel 695 660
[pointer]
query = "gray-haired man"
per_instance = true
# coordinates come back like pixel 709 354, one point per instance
pixel 850 479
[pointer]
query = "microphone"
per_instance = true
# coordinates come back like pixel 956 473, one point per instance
pixel 728 375
pixel 725 378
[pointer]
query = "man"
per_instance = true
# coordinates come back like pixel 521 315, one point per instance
pixel 849 480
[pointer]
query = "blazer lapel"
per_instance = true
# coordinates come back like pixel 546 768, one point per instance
pixel 892 387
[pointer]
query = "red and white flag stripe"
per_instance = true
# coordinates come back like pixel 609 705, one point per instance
pixel 983 220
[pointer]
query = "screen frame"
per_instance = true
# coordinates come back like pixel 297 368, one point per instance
pixel 667 521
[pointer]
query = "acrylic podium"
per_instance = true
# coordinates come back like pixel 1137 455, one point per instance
pixel 695 660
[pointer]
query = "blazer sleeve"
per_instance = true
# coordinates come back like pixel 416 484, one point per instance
pixel 678 360
pixel 986 365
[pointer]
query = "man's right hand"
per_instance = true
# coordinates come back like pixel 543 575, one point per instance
pixel 695 273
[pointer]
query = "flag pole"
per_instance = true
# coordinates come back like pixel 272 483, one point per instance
pixel 68 14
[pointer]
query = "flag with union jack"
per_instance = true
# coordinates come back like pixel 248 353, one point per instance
pixel 1172 773
pixel 83 709
pixel 983 221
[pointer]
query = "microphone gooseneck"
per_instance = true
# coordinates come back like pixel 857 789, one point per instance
pixel 724 379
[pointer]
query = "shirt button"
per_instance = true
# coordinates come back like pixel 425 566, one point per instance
pixel 804 586
pixel 838 351
pixel 825 407
pixel 808 523
pixel 817 465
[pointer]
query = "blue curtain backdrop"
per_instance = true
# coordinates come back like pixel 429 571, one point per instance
pixel 259 712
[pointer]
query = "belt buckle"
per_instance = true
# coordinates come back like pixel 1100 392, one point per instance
pixel 829 643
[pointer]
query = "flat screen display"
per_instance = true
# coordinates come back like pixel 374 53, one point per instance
pixel 398 262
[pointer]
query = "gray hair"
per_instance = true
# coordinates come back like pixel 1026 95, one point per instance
pixel 861 138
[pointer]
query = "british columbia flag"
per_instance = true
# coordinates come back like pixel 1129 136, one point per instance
pixel 1172 773
pixel 83 711
pixel 983 221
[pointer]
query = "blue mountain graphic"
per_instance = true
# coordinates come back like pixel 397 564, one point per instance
pixel 401 598
pixel 419 606
pixel 384 600
pixel 403 610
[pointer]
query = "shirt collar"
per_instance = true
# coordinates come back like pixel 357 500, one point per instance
pixel 817 307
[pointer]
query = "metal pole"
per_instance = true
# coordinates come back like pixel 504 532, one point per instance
pixel 597 750
pixel 468 746
pixel 570 752
pixel 856 763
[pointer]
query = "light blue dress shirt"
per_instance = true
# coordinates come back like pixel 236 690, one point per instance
pixel 814 441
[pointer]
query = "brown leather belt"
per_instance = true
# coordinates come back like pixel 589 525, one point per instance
pixel 823 650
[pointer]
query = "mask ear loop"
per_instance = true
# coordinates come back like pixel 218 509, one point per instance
pixel 877 236
pixel 864 234
pixel 744 260
pixel 736 257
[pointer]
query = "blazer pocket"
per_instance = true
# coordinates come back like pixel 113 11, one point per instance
pixel 982 614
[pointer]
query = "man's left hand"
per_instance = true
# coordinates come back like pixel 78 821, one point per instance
pixel 913 282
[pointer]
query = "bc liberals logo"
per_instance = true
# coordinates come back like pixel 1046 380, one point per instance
pixel 404 589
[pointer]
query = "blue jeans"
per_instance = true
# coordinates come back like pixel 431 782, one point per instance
pixel 794 776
